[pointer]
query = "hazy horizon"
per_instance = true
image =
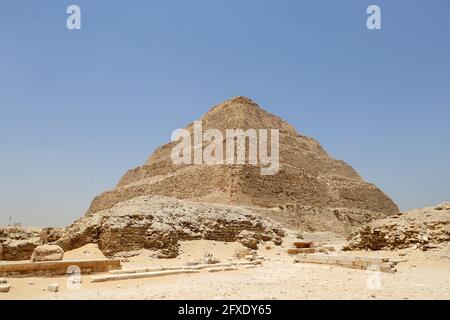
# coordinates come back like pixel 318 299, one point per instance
pixel 80 107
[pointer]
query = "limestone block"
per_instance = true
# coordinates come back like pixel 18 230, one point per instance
pixel 47 252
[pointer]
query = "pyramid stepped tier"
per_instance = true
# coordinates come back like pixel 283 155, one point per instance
pixel 308 178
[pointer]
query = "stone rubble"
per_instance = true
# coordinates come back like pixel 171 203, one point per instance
pixel 159 223
pixel 311 191
pixel 422 229
pixel 18 243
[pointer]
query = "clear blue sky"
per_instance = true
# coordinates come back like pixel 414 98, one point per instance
pixel 79 108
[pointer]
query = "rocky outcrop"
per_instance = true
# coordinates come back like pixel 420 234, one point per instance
pixel 308 177
pixel 159 223
pixel 17 243
pixel 422 228
pixel 47 252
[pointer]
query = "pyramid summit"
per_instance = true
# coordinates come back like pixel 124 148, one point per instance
pixel 310 191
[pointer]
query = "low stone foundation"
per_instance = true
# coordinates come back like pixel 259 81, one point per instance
pixel 56 268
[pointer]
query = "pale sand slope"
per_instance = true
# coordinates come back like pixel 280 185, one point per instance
pixel 426 275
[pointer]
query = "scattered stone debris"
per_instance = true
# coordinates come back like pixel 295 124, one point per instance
pixel 418 229
pixel 247 238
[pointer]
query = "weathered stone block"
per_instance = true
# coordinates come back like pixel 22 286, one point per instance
pixel 4 287
pixel 47 252
pixel 54 287
pixel 303 244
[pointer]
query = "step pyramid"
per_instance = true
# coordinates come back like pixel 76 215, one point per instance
pixel 309 189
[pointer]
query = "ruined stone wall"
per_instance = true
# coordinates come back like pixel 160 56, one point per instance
pixel 159 223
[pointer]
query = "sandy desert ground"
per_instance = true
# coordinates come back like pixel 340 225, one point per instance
pixel 421 275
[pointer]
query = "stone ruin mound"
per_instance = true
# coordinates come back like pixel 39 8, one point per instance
pixel 310 192
pixel 149 222
pixel 159 223
pixel 421 228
